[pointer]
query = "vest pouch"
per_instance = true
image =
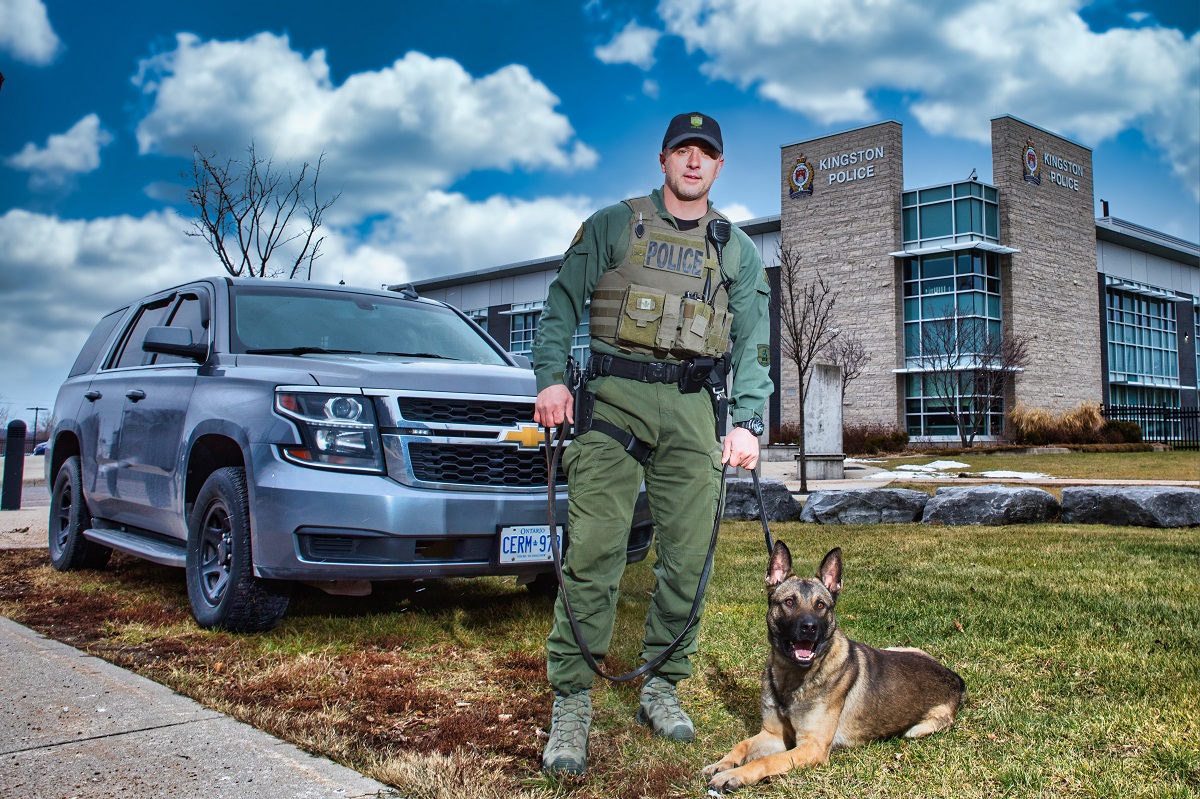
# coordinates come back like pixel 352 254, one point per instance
pixel 695 317
pixel 669 328
pixel 718 333
pixel 641 316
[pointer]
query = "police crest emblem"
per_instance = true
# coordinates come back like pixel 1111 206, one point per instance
pixel 1029 160
pixel 801 179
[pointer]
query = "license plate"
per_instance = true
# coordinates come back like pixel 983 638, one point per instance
pixel 530 544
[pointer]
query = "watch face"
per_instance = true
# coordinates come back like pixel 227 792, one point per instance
pixel 755 426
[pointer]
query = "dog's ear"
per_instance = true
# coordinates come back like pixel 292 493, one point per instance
pixel 780 567
pixel 830 572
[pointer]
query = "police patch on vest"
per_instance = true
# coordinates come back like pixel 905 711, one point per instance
pixel 764 355
pixel 674 255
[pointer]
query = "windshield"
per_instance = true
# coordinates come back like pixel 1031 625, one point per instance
pixel 288 320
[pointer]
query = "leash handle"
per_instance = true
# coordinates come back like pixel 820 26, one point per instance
pixel 762 512
pixel 553 454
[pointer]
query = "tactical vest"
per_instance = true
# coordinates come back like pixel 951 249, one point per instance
pixel 652 303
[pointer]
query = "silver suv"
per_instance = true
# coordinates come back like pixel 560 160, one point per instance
pixel 259 432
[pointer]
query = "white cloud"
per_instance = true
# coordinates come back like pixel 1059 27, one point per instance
pixel 445 233
pixel 65 155
pixel 390 135
pixel 634 44
pixel 25 31
pixel 736 212
pixel 961 62
pixel 59 276
pixel 650 88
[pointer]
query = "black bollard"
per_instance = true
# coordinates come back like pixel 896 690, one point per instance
pixel 14 466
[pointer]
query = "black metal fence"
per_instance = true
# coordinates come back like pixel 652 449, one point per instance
pixel 1179 427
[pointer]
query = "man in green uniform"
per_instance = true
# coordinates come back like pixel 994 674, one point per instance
pixel 666 297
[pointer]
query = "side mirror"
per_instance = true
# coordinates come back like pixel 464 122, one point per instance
pixel 174 341
pixel 521 360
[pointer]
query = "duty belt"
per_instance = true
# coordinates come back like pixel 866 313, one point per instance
pixel 652 372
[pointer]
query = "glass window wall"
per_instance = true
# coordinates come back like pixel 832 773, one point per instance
pixel 1143 348
pixel 951 323
pixel 950 214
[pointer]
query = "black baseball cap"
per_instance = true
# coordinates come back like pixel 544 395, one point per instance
pixel 693 126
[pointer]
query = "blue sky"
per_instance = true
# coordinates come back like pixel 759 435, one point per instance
pixel 482 132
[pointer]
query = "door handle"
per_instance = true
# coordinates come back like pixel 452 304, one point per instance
pixel 92 396
pixel 136 394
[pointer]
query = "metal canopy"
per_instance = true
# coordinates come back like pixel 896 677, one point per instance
pixel 986 246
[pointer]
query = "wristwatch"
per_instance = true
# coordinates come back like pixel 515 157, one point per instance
pixel 753 424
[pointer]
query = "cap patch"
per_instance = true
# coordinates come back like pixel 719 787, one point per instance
pixel 697 121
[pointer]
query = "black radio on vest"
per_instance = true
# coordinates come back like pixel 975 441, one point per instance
pixel 719 231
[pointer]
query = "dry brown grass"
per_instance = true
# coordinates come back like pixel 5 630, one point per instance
pixel 1083 424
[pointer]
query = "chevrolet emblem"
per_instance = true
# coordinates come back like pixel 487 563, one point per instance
pixel 526 436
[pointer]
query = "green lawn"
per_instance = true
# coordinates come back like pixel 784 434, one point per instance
pixel 1078 644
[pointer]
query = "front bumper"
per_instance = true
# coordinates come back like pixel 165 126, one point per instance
pixel 313 524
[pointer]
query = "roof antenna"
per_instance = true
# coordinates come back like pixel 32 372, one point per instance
pixel 974 175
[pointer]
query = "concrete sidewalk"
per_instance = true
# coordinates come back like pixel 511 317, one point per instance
pixel 72 725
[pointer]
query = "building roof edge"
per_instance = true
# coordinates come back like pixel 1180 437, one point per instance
pixel 1043 130
pixel 843 132
pixel 1134 236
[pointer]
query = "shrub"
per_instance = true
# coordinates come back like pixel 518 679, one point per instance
pixel 1119 432
pixel 872 438
pixel 786 433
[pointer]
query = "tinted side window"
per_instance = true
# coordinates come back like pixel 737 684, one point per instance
pixel 187 314
pixel 131 349
pixel 91 348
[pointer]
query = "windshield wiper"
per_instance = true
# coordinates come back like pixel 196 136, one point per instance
pixel 419 355
pixel 302 351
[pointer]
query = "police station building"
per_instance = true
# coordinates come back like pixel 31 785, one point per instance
pixel 1110 310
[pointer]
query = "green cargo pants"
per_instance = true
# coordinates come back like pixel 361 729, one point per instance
pixel 683 481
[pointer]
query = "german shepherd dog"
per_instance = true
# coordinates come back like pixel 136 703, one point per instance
pixel 821 690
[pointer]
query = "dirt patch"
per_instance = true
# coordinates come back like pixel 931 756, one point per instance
pixel 375 700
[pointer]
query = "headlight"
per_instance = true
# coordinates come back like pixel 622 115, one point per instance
pixel 338 430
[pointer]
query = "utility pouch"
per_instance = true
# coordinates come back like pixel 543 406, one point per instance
pixel 717 340
pixel 641 316
pixel 585 407
pixel 695 318
pixel 715 383
pixel 695 374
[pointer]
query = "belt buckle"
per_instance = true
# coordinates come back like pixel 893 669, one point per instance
pixel 656 372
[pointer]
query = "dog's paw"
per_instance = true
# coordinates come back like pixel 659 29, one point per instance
pixel 716 768
pixel 724 781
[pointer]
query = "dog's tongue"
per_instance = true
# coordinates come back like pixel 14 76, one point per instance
pixel 802 650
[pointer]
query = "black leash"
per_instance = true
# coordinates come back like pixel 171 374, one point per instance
pixel 554 450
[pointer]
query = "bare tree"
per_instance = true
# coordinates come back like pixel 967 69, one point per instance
pixel 848 352
pixel 247 210
pixel 806 329
pixel 968 369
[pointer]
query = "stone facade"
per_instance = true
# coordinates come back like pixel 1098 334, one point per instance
pixel 844 231
pixel 1049 287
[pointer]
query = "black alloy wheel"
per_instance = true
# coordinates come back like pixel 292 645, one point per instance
pixel 69 518
pixel 222 588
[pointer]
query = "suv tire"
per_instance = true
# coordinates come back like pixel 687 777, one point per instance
pixel 69 517
pixel 222 588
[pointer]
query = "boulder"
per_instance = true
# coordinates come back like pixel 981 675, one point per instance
pixel 1141 506
pixel 740 502
pixel 864 506
pixel 990 504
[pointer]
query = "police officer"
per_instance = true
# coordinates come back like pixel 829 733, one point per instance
pixel 666 299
